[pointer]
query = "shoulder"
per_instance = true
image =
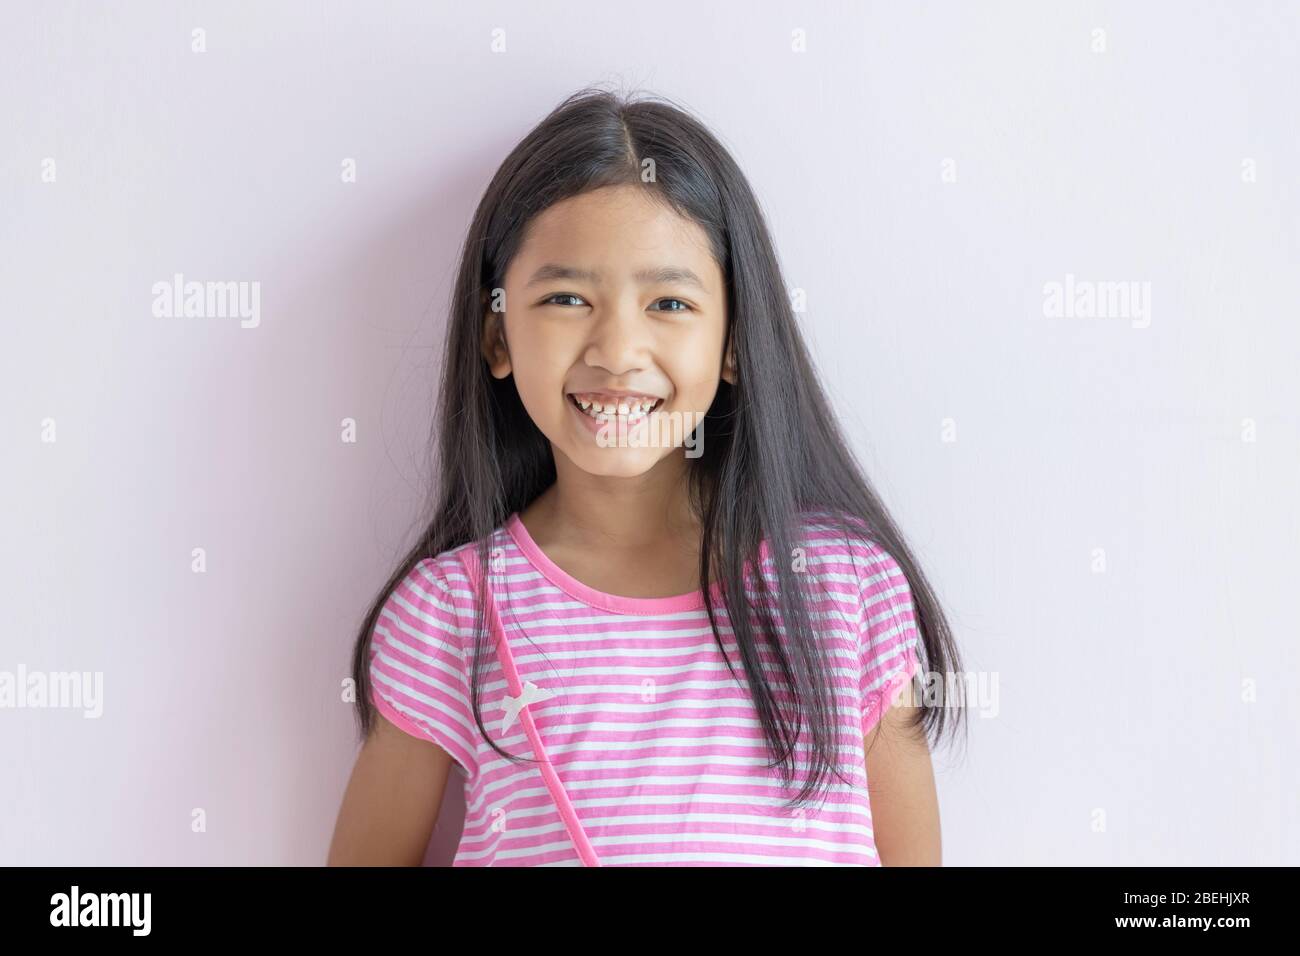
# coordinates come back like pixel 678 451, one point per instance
pixel 436 593
pixel 845 545
pixel 851 563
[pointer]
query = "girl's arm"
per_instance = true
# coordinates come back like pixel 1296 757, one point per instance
pixel 904 804
pixel 392 800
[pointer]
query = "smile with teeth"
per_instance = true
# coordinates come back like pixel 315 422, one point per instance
pixel 604 409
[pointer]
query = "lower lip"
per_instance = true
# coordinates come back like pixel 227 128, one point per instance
pixel 594 426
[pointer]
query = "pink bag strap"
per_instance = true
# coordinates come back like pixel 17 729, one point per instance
pixel 562 802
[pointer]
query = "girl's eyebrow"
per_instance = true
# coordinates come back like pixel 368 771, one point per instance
pixel 663 274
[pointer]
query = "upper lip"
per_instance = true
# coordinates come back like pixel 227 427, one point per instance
pixel 614 393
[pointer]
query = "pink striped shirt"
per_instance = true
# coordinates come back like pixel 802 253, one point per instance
pixel 655 754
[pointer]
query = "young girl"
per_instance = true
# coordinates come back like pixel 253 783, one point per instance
pixel 657 616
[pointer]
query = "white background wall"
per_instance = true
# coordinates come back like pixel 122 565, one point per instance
pixel 1145 713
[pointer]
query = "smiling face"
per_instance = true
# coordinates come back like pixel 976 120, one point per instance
pixel 612 297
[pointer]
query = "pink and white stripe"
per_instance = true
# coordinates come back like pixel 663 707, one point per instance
pixel 657 748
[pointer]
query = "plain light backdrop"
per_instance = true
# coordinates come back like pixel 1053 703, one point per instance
pixel 1109 511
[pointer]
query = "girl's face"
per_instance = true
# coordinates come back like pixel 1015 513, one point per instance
pixel 612 292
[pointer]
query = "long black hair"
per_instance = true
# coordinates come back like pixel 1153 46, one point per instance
pixel 774 450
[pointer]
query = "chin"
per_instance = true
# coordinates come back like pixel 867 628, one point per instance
pixel 618 463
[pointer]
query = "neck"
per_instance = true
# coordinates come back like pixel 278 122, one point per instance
pixel 639 513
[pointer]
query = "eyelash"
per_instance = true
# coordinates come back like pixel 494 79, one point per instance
pixel 569 295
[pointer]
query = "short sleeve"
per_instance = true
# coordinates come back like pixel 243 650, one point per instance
pixel 890 640
pixel 418 676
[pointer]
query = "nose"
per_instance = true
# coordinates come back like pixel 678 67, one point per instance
pixel 619 340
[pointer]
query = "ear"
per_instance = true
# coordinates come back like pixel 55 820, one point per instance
pixel 729 367
pixel 495 350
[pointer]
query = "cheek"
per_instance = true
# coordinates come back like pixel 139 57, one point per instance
pixel 538 364
pixel 696 368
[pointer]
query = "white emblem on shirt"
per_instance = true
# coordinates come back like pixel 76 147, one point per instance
pixel 532 693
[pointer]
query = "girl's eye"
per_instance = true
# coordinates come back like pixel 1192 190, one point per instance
pixel 561 295
pixel 578 300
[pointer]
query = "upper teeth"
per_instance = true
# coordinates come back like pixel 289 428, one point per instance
pixel 625 408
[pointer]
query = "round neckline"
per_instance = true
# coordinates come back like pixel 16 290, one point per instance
pixel 617 603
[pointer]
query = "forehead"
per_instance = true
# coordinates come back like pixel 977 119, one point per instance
pixel 618 231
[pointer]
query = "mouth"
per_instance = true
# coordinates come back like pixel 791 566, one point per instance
pixel 631 409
